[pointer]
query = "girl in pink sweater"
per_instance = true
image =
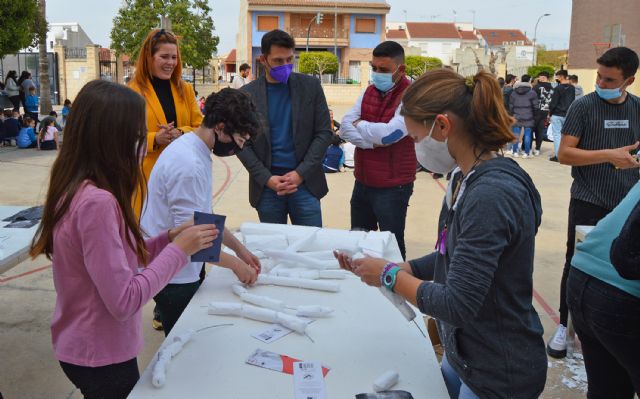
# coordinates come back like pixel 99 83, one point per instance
pixel 90 232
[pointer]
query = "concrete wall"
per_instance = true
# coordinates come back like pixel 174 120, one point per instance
pixel 75 73
pixel 365 40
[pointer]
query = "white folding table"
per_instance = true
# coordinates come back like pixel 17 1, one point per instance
pixel 365 337
pixel 14 242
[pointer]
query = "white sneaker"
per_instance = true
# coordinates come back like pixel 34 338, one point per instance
pixel 515 154
pixel 536 153
pixel 557 345
pixel 525 156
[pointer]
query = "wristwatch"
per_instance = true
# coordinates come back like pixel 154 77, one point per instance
pixel 389 275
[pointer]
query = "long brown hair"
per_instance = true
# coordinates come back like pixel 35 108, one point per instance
pixel 104 138
pixel 152 42
pixel 476 100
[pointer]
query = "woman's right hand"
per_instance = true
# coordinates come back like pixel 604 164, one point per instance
pixel 195 238
pixel 164 135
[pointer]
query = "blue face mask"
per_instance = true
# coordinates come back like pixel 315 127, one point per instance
pixel 609 94
pixel 382 81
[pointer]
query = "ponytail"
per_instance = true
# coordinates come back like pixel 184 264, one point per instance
pixel 476 100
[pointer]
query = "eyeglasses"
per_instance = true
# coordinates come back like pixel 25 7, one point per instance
pixel 163 32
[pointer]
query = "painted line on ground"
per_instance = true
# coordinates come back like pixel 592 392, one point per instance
pixel 227 179
pixel 548 309
pixel 17 276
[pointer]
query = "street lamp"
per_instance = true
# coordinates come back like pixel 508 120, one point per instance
pixel 535 35
pixel 318 20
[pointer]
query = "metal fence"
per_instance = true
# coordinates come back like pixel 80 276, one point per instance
pixel 30 62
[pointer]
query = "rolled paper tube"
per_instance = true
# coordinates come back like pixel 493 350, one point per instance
pixel 300 243
pixel 399 303
pixel 184 337
pixel 225 308
pixel 313 311
pixel 332 274
pixel 386 381
pixel 298 283
pixel 263 301
pixel 238 289
pixel 260 314
pixel 292 322
pixel 296 258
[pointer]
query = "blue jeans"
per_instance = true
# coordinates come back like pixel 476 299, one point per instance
pixel 527 139
pixel 384 208
pixel 556 128
pixel 456 388
pixel 607 323
pixel 301 207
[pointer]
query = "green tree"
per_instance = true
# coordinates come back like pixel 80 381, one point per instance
pixel 536 69
pixel 417 65
pixel 190 19
pixel 318 63
pixel 17 29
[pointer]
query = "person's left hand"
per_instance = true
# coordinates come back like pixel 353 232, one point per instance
pixel 250 259
pixel 175 133
pixel 369 270
pixel 173 233
pixel 290 183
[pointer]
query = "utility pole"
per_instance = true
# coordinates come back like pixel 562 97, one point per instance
pixel 335 34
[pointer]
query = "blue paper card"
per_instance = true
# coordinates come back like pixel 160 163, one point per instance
pixel 211 254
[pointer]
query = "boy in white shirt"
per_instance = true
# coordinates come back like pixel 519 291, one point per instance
pixel 181 183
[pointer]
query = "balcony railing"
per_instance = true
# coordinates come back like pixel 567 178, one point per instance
pixel 318 32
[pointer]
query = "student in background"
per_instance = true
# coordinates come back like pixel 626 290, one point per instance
pixel 66 108
pixel 32 104
pixel 27 135
pixel 48 137
pixel 574 81
pixel 11 125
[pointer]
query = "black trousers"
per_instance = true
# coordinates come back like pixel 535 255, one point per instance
pixel 114 381
pixel 607 320
pixel 580 213
pixel 539 130
pixel 384 208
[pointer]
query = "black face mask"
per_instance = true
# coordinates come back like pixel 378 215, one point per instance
pixel 225 149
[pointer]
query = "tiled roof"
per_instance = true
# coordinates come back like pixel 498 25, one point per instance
pixel 396 34
pixel 432 30
pixel 380 4
pixel 495 37
pixel 467 35
pixel 231 58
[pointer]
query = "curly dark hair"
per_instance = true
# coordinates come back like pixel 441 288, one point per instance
pixel 235 109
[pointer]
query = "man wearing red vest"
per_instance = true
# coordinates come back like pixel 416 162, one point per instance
pixel 385 158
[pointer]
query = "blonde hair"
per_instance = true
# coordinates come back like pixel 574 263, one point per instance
pixel 150 46
pixel 477 100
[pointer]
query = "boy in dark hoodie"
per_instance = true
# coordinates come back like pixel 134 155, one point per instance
pixel 563 95
pixel 544 91
pixel 523 104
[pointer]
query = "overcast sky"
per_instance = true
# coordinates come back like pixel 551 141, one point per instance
pixel 96 16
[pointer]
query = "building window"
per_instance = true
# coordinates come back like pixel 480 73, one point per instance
pixel 365 25
pixel 267 23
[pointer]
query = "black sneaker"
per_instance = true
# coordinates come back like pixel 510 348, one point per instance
pixel 553 159
pixel 437 176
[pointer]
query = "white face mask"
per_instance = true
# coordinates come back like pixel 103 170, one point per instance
pixel 434 155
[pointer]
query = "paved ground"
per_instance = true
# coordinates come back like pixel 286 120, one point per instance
pixel 29 370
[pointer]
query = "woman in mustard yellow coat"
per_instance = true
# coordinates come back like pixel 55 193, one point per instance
pixel 172 109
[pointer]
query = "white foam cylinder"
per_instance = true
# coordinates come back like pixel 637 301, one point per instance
pixel 292 322
pixel 298 283
pixel 260 314
pixel 263 301
pixel 313 311
pixel 225 308
pixel 386 381
pixel 238 289
pixel 332 274
pixel 399 303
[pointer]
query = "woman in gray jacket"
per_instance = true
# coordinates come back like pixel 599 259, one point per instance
pixel 12 89
pixel 522 105
pixel 478 284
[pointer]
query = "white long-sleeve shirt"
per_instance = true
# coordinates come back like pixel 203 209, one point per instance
pixel 180 183
pixel 367 134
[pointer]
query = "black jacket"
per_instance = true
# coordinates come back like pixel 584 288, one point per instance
pixel 482 286
pixel 506 93
pixel 544 91
pixel 523 104
pixel 563 96
pixel 311 135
